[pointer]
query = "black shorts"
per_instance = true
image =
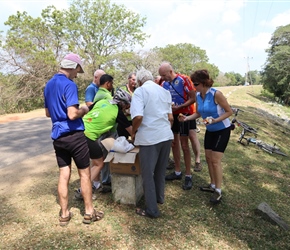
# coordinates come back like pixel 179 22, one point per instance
pixel 72 145
pixel 95 148
pixel 182 128
pixel 218 140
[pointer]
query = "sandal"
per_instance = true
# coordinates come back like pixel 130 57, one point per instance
pixel 95 216
pixel 198 167
pixel 142 212
pixel 63 221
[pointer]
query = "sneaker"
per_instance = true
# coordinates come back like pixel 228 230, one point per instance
pixel 171 164
pixel 197 167
pixel 79 196
pixel 216 198
pixel 187 183
pixel 197 130
pixel 173 176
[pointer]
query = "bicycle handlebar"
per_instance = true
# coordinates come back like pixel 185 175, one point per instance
pixel 236 110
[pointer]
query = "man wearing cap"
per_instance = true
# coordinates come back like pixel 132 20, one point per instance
pixel 62 106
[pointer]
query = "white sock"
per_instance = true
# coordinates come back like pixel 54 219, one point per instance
pixel 212 185
pixel 177 173
pixel 96 184
pixel 190 176
pixel 218 190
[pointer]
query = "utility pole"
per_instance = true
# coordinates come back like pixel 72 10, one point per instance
pixel 247 70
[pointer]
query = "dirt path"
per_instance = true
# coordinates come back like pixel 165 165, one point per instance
pixel 21 116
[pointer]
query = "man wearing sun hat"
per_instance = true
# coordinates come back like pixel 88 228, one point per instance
pixel 62 106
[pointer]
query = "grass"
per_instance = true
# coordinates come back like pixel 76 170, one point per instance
pixel 29 208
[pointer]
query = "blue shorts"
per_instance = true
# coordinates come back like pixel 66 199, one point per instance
pixel 72 145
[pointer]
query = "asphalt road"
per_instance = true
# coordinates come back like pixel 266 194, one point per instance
pixel 24 139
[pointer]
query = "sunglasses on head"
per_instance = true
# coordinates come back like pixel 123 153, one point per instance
pixel 196 84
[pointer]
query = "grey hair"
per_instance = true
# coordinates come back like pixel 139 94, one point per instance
pixel 143 75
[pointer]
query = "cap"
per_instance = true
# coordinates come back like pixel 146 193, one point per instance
pixel 71 61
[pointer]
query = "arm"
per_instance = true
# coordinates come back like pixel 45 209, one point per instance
pixel 136 122
pixel 171 119
pixel 222 101
pixel 130 131
pixel 73 112
pixel 123 121
pixel 47 112
pixel 89 104
pixel 190 101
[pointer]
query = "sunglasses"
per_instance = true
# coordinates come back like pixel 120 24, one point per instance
pixel 196 84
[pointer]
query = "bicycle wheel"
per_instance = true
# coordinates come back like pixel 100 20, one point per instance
pixel 270 148
pixel 277 151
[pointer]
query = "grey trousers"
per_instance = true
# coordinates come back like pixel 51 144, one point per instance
pixel 153 162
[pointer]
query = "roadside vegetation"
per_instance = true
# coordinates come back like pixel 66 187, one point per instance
pixel 106 35
pixel 29 207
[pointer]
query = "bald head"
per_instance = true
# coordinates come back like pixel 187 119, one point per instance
pixel 97 75
pixel 166 72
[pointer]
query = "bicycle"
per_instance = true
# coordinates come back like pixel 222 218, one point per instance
pixel 245 127
pixel 266 147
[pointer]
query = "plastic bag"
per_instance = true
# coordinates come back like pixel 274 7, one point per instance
pixel 121 145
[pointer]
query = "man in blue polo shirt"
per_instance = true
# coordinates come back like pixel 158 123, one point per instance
pixel 93 88
pixel 62 106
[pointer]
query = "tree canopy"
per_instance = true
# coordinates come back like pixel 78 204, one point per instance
pixel 276 76
pixel 33 47
pixel 186 58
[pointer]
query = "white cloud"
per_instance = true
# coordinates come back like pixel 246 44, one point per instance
pixel 281 19
pixel 259 42
pixel 230 17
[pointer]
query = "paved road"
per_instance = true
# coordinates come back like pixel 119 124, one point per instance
pixel 21 140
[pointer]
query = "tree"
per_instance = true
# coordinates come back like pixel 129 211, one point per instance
pixel 33 47
pixel 186 58
pixel 276 73
pixel 30 51
pixel 231 77
pixel 98 29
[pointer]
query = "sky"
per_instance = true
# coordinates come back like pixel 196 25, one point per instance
pixel 234 33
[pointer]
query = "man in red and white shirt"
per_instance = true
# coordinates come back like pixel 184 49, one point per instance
pixel 183 98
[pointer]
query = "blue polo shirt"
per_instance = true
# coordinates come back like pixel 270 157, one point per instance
pixel 60 93
pixel 90 92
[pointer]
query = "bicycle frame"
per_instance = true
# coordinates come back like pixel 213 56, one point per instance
pixel 245 127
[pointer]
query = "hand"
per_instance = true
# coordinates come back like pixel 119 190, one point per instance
pixel 85 109
pixel 208 120
pixel 181 117
pixel 175 108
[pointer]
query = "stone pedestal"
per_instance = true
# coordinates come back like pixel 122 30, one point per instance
pixel 126 189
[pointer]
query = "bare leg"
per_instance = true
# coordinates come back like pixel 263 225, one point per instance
pixel 208 156
pixel 97 165
pixel 217 168
pixel 195 145
pixel 176 152
pixel 64 177
pixel 186 154
pixel 86 186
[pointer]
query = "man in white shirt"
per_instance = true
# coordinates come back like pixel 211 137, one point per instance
pixel 152 119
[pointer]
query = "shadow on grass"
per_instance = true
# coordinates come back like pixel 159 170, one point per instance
pixel 29 213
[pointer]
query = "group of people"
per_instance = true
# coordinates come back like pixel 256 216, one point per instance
pixel 157 117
